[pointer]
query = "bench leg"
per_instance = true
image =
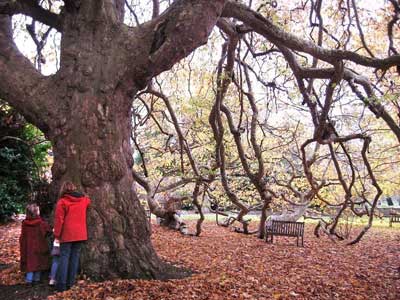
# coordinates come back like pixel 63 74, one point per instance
pixel 269 238
pixel 266 238
pixel 302 240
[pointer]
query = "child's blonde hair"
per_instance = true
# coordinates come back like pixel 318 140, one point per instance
pixel 32 211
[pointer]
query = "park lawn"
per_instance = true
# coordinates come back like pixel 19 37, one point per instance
pixel 228 265
pixel 356 221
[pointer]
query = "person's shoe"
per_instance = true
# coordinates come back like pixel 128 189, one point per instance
pixel 52 282
pixel 61 288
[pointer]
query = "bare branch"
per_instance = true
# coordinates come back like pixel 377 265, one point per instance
pixel 360 29
pixel 277 35
pixel 19 80
pixel 32 9
pixel 176 34
pixel 156 9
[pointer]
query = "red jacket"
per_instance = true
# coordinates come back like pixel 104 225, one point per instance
pixel 70 218
pixel 34 249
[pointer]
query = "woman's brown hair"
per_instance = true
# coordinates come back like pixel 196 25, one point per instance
pixel 67 187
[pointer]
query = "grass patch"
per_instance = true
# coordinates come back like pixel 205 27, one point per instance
pixel 356 221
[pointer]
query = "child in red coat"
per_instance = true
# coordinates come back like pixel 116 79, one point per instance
pixel 34 249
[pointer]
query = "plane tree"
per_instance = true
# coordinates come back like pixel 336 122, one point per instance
pixel 84 109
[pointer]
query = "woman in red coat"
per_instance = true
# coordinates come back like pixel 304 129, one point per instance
pixel 70 229
pixel 34 249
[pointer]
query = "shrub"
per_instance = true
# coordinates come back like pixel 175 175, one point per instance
pixel 23 156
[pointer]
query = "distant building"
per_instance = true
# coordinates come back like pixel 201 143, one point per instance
pixel 388 205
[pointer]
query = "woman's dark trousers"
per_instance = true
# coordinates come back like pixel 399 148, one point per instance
pixel 68 265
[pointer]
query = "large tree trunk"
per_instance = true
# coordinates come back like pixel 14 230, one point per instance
pixel 94 151
pixel 91 142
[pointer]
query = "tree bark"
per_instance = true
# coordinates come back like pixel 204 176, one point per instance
pixel 94 151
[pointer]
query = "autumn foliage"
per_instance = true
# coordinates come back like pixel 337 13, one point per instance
pixel 227 265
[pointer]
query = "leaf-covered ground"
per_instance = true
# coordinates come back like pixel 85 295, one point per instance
pixel 228 265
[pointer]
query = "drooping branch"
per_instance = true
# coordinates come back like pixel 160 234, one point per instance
pixel 168 213
pixel 196 193
pixel 347 185
pixel 257 177
pixel 304 198
pixel 182 141
pixel 224 77
pixel 150 114
pixel 347 188
pixel 146 173
pixel 375 183
pixel 323 115
pixel 317 9
pixel 153 204
pixel 351 77
pixel 296 68
pixel 375 106
pixel 392 22
pixel 172 186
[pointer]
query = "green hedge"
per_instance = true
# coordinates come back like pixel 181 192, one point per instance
pixel 23 157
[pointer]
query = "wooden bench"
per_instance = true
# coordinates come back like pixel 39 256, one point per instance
pixel 285 228
pixel 394 219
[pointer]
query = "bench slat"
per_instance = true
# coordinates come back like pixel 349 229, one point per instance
pixel 285 228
